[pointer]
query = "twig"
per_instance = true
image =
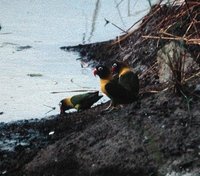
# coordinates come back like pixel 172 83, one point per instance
pixel 118 38
pixel 187 30
pixel 148 70
pixel 84 87
pixel 191 17
pixel 188 104
pixel 134 24
pixel 164 38
pixel 129 13
pixel 168 34
pixel 119 3
pixel 107 22
pixel 188 41
pixel 149 1
pixel 94 17
pixel 52 109
pixel 194 75
pixel 120 15
pixel 66 91
pixel 145 20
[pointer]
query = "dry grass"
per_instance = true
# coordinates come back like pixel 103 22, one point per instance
pixel 180 23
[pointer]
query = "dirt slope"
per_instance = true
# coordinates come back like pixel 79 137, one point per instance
pixel 158 135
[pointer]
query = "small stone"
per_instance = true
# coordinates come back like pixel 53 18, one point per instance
pixel 190 150
pixel 51 133
pixel 169 56
pixel 197 88
pixel 20 48
pixel 4 172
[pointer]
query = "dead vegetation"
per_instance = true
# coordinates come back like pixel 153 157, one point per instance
pixel 175 24
pixel 178 22
pixel 158 137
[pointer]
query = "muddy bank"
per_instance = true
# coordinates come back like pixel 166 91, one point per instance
pixel 155 137
pixel 22 140
pixel 158 136
pixel 140 46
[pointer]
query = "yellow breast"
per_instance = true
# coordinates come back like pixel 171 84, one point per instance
pixel 124 70
pixel 103 83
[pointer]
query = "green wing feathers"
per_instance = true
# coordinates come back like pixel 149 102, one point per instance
pixel 85 101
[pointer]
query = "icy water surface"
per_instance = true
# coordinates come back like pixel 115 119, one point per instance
pixel 33 66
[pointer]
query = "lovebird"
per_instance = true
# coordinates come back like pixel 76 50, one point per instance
pixel 79 102
pixel 109 86
pixel 127 78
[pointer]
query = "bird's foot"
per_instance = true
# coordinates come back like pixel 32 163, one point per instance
pixel 109 106
pixel 108 110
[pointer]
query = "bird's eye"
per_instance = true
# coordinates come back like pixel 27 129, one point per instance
pixel 115 65
pixel 100 68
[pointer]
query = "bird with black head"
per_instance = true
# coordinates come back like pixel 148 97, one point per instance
pixel 127 78
pixel 110 87
pixel 79 102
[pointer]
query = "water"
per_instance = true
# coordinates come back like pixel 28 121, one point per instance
pixel 32 32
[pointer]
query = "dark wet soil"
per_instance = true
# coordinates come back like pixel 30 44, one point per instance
pixel 156 136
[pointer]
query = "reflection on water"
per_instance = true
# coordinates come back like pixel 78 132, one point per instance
pixel 31 35
pixel 121 14
pixel 97 6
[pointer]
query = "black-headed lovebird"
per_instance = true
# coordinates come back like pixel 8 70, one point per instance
pixel 127 78
pixel 79 102
pixel 110 86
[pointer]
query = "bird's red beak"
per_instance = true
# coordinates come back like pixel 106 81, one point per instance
pixel 113 69
pixel 95 72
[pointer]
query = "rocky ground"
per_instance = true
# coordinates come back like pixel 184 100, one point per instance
pixel 157 136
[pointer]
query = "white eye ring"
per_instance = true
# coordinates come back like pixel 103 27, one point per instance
pixel 100 68
pixel 115 65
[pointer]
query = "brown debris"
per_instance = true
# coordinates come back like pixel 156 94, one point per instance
pixel 178 22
